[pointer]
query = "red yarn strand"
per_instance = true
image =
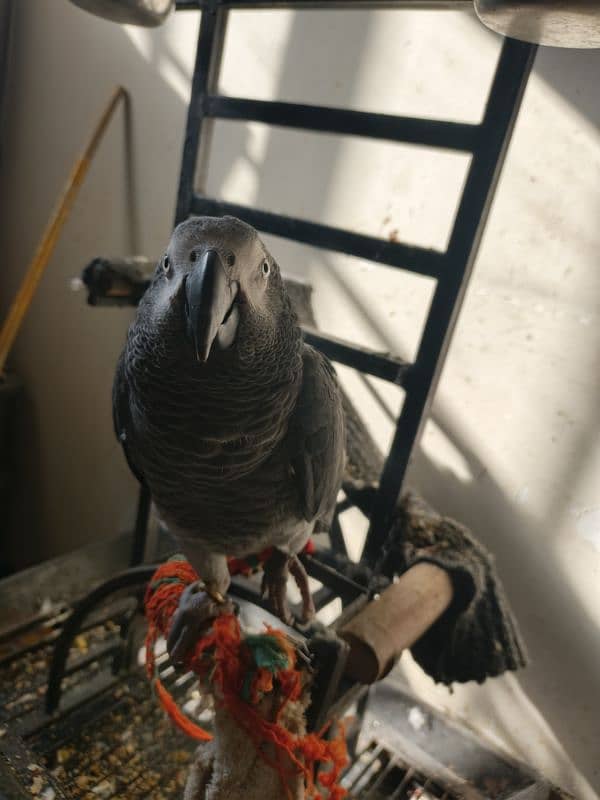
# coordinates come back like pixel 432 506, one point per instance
pixel 224 660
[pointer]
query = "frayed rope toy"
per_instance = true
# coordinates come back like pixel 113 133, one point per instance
pixel 241 670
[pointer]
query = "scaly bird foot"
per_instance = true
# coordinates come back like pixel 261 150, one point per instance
pixel 274 584
pixel 196 611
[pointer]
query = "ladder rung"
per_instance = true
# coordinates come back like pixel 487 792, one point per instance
pixel 410 130
pixel 380 365
pixel 414 259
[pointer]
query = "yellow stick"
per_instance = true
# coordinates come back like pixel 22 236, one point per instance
pixel 38 264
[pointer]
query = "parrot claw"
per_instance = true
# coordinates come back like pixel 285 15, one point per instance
pixel 274 585
pixel 301 579
pixel 197 609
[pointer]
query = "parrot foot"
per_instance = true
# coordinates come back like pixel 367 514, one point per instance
pixel 197 609
pixel 276 571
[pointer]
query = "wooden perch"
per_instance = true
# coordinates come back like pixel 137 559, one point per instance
pixel 394 621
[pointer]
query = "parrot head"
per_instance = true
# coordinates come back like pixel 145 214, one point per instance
pixel 215 281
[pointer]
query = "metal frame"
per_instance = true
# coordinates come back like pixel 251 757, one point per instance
pixel 487 142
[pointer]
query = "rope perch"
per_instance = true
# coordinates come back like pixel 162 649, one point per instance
pixel 240 671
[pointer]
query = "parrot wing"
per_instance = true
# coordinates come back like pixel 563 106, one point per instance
pixel 316 437
pixel 122 417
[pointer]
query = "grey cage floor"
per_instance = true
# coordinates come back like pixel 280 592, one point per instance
pixel 109 738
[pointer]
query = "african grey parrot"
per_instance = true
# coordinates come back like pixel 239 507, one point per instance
pixel 234 424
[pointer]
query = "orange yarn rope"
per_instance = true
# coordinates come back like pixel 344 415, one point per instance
pixel 242 670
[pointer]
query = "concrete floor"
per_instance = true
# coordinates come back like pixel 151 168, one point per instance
pixel 512 447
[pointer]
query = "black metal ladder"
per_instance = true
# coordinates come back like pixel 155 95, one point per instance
pixel 487 143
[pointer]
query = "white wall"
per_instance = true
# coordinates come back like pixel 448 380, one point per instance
pixel 512 449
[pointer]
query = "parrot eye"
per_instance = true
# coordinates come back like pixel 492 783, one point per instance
pixel 167 265
pixel 265 268
pixel 230 259
pixel 193 256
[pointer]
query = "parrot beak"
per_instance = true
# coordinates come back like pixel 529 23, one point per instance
pixel 210 309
